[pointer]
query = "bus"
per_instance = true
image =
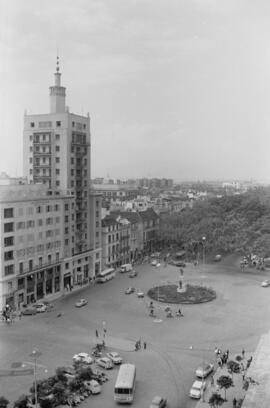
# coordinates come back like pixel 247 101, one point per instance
pixel 105 275
pixel 125 384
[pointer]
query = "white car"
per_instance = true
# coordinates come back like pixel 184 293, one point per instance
pixel 265 283
pixel 116 359
pixel 205 370
pixel 197 389
pixel 81 303
pixel 140 294
pixel 83 358
pixel 105 362
pixel 154 262
pixel 93 386
pixel 40 307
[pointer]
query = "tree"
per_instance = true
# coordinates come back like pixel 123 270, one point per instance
pixel 85 373
pixel 22 402
pixel 233 367
pixel 46 403
pixel 3 402
pixel 215 400
pixel 59 393
pixel 224 381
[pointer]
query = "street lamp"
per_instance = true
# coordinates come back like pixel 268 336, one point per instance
pixel 35 354
pixel 203 248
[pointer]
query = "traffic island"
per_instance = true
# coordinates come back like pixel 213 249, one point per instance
pixel 192 294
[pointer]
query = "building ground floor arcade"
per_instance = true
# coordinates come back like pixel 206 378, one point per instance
pixel 50 280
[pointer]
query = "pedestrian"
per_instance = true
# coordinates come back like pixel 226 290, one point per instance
pixel 227 352
pixel 243 353
pixel 243 375
pixel 144 345
pixel 234 402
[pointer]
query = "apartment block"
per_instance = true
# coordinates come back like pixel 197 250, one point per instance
pixel 36 236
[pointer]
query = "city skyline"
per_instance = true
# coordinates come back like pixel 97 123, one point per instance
pixel 178 91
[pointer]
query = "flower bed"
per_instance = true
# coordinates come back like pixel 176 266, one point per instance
pixel 193 294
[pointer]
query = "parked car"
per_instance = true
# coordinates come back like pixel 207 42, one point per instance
pixel 48 304
pixel 93 386
pixel 197 389
pixel 81 303
pixel 265 283
pixel 154 262
pixel 158 402
pixel 217 258
pixel 83 358
pixel 133 274
pixel 180 264
pixel 40 307
pixel 116 359
pixel 30 310
pixel 204 370
pixel 155 255
pixel 69 373
pixel 104 362
pixel 128 291
pixel 140 293
pixel 126 268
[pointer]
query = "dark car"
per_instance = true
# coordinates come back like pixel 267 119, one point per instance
pixel 180 264
pixel 128 291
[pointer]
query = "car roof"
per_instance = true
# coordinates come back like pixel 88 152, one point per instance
pixel 156 399
pixel 197 384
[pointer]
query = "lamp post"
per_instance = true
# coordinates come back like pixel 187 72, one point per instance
pixel 35 354
pixel 203 248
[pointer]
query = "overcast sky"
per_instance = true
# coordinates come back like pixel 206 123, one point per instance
pixel 175 88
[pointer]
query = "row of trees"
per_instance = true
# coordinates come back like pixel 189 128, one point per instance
pixel 56 390
pixel 239 223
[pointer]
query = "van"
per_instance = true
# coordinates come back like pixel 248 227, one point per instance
pixel 126 268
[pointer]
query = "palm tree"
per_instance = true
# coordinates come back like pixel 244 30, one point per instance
pixel 215 400
pixel 225 382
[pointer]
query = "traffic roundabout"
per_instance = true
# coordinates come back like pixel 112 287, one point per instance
pixel 192 294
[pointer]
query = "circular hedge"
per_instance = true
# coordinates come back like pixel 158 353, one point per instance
pixel 193 294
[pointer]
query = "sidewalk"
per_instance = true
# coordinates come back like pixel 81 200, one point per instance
pixel 236 391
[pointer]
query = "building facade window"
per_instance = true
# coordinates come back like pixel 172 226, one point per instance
pixel 8 212
pixel 9 270
pixel 9 227
pixel 8 241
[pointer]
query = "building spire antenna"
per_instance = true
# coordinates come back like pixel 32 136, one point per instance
pixel 57 61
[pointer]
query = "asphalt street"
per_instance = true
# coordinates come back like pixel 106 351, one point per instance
pixel 175 347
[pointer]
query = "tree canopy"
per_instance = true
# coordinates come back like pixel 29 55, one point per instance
pixel 229 223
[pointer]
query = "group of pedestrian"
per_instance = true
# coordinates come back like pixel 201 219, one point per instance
pixel 139 344
pixel 221 356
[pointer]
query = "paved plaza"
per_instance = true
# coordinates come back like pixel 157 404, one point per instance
pixel 175 347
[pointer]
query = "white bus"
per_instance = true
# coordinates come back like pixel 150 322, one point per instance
pixel 105 275
pixel 125 384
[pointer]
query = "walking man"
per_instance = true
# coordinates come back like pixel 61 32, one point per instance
pixel 243 353
pixel 144 345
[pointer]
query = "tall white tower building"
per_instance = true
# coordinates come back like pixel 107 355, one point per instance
pixel 57 153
